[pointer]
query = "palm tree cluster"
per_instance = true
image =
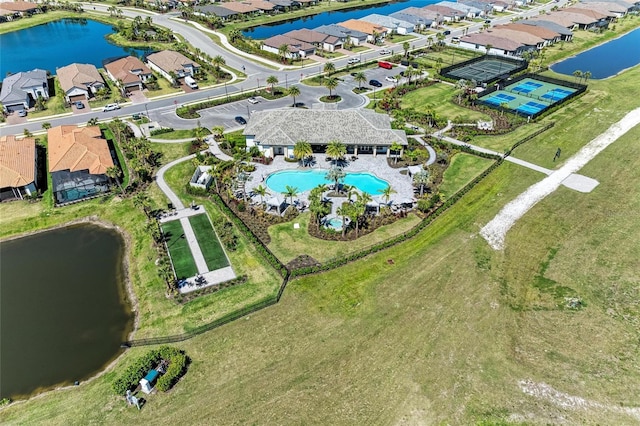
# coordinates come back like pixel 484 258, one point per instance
pixel 142 29
pixel 140 158
pixel 302 151
pixel 355 210
pixel 582 76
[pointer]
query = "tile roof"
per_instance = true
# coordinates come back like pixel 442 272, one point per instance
pixel 590 12
pixel 484 39
pixel 261 4
pixel 443 10
pixel 13 84
pixel 422 13
pixel 607 8
pixel 294 45
pixel 17 161
pixel 122 68
pixel 569 19
pixel 19 6
pixel 311 36
pixel 387 21
pixel 365 27
pixel 78 148
pixel 341 32
pixel 537 31
pixel 525 38
pixel 239 7
pixel 169 60
pixel 78 75
pixel 351 127
pixel 553 26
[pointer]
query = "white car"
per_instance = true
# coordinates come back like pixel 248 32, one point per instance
pixel 253 100
pixel 391 79
pixel 385 52
pixel 353 61
pixel 110 107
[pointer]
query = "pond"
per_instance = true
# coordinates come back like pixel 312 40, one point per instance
pixel 605 60
pixel 64 309
pixel 332 17
pixel 47 46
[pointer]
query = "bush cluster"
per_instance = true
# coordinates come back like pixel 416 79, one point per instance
pixel 226 234
pixel 161 131
pixel 130 378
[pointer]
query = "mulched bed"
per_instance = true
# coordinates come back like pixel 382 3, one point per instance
pixel 302 261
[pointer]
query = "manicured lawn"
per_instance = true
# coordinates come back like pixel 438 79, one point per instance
pixel 179 250
pixel 179 134
pixel 208 242
pixel 287 242
pixel 463 168
pixel 438 98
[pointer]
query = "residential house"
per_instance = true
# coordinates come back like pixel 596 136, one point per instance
pixel 285 5
pixel 565 33
pixel 241 8
pixel 611 9
pixel 172 65
pixel 17 167
pixel 130 72
pixel 531 41
pixel 317 39
pixel 571 20
pixel 262 5
pixel 490 5
pixel 374 32
pixel 19 8
pixel 485 7
pixel 425 14
pixel 494 44
pixel 448 14
pixel 602 19
pixel 345 35
pixel 78 161
pixel 221 12
pixel 391 24
pixel 80 81
pixel 418 22
pixel 466 10
pixel 549 36
pixel 295 48
pixel 363 131
pixel 20 90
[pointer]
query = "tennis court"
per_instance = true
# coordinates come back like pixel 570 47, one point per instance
pixel 483 69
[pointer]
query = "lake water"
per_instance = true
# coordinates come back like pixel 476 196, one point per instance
pixel 59 43
pixel 63 310
pixel 333 17
pixel 605 60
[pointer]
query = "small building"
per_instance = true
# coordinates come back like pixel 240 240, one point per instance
pixel 375 33
pixel 131 71
pixel 78 161
pixel 80 81
pixel 172 65
pixel 317 39
pixel 201 178
pixel 391 24
pixel 345 35
pixel 17 167
pixel 295 48
pixel 20 90
pixel 610 9
pixel 363 131
pixel 149 381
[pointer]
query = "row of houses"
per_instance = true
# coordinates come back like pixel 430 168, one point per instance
pixel 534 34
pixel 78 159
pixel 17 9
pixel 237 9
pixel 81 82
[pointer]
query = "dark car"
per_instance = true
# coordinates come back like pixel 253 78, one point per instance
pixel 375 83
pixel 79 105
pixel 240 120
pixel 447 32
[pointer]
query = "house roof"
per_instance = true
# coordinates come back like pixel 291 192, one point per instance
pixel 12 86
pixel 569 19
pixel 628 5
pixel 607 8
pixel 239 7
pixel 311 36
pixel 414 19
pixel 584 10
pixel 122 69
pixel 422 13
pixel 443 10
pixel 19 6
pixel 220 11
pixel 283 3
pixel 78 75
pixel 553 26
pixel 293 44
pixel 169 60
pixel 387 21
pixel 537 31
pixel 17 161
pixel 351 127
pixel 525 38
pixel 78 148
pixel 484 39
pixel 340 31
pixel 460 7
pixel 261 4
pixel 365 27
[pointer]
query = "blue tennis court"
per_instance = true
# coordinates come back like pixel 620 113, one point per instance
pixel 526 87
pixel 500 98
pixel 531 108
pixel 556 94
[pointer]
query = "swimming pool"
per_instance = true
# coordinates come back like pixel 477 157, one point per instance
pixel 306 180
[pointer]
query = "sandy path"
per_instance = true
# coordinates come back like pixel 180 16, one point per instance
pixel 495 231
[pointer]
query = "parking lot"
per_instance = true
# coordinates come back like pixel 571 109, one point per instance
pixel 378 73
pixel 225 114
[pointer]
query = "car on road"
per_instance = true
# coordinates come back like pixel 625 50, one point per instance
pixel 487 21
pixel 22 113
pixel 110 107
pixel 455 40
pixel 240 120
pixel 391 79
pixel 253 100
pixel 447 32
pixel 375 83
pixel 385 52
pixel 79 105
pixel 353 61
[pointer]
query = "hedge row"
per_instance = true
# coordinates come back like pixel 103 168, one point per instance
pixel 191 111
pixel 528 138
pixel 465 148
pixel 253 239
pixel 161 131
pixel 130 378
pixel 177 367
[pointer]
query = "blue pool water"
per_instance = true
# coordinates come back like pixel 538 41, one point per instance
pixel 307 180
pixel 47 46
pixel 605 60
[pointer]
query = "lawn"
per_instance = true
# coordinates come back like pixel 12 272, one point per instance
pixel 208 241
pixel 287 243
pixel 438 98
pixel 181 257
pixel 462 169
pixel 179 134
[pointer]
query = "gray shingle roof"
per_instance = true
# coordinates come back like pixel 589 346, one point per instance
pixel 340 31
pixel 351 127
pixel 549 25
pixel 12 85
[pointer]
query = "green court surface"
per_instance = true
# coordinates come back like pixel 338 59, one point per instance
pixel 208 241
pixel 179 250
pixel 483 71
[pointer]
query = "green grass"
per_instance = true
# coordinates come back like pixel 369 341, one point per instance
pixel 463 168
pixel 208 241
pixel 178 134
pixel 287 242
pixel 438 98
pixel 181 257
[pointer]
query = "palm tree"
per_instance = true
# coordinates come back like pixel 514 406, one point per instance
pixel 290 191
pixel 586 75
pixel 397 148
pixel 488 47
pixel 46 125
pixel 421 179
pixel 405 47
pixel 234 35
pixel 272 80
pixel 218 131
pixel 114 173
pixel 199 132
pixel 329 68
pixel 261 190
pixel 336 174
pixel 293 92
pixel 343 211
pixel 577 74
pixel 360 207
pixel 282 51
pixel 142 200
pixel 331 83
pixel 218 61
pixel 302 150
pixel 386 193
pixel 336 150
pixel 408 73
pixel 503 106
pixel 360 78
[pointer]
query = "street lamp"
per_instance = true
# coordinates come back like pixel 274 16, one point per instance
pixel 147 111
pixel 286 82
pixel 225 91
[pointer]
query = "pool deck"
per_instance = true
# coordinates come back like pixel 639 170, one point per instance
pixel 377 166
